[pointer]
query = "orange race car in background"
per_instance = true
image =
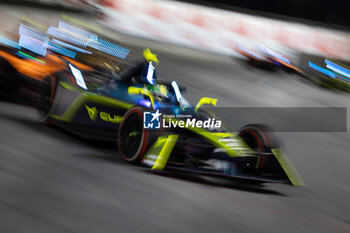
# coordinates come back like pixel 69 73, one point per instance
pixel 22 72
pixel 268 59
pixel 27 65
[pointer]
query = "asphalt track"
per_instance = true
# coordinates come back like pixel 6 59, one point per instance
pixel 54 182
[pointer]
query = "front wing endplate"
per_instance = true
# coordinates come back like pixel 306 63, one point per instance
pixel 157 156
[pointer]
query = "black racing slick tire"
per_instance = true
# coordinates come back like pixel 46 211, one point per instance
pixel 260 139
pixel 133 140
pixel 47 90
pixel 47 93
pixel 9 81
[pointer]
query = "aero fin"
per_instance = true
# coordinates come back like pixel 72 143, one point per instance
pixel 288 167
pixel 158 155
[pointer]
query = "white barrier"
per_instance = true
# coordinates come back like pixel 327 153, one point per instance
pixel 218 30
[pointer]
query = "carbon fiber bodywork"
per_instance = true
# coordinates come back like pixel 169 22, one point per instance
pixel 97 113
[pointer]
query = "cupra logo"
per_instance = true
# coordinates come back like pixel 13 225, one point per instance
pixel 105 116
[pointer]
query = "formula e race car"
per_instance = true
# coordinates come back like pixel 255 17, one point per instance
pixel 268 59
pixel 154 125
pixel 334 75
pixel 38 54
pixel 22 72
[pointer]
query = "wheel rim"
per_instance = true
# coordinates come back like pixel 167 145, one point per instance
pixel 131 136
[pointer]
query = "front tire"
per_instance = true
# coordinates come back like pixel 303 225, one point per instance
pixel 9 81
pixel 133 139
pixel 47 91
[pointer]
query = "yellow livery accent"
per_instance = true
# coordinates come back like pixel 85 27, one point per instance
pixel 205 101
pixel 149 56
pixel 165 152
pixel 288 167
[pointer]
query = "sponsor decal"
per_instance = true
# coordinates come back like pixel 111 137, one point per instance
pixel 105 116
pixel 156 120
pixel 151 120
pixel 93 112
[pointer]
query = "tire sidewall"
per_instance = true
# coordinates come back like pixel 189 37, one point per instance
pixel 50 81
pixel 144 143
pixel 265 142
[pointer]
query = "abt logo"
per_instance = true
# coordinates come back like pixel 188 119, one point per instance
pixel 151 120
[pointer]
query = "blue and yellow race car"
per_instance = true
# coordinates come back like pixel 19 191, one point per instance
pixel 154 125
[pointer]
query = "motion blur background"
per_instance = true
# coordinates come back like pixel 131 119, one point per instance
pixel 54 182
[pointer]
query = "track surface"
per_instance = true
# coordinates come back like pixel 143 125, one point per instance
pixel 53 182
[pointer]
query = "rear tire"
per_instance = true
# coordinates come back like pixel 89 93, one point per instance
pixel 259 138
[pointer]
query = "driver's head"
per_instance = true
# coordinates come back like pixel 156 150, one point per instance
pixel 159 91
